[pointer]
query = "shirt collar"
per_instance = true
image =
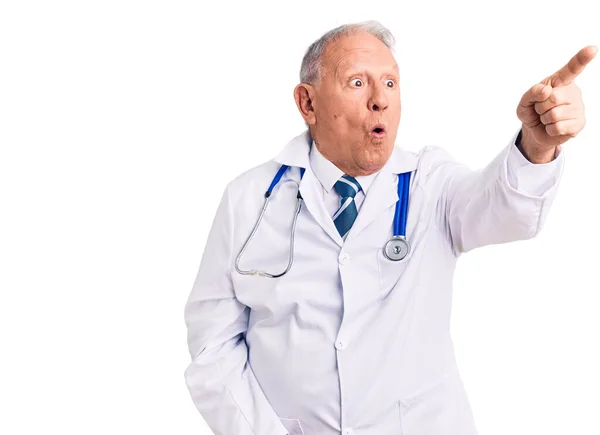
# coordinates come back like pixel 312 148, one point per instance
pixel 328 173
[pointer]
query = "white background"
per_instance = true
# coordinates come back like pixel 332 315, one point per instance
pixel 121 123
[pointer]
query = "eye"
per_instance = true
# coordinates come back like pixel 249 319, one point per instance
pixel 357 82
pixel 390 83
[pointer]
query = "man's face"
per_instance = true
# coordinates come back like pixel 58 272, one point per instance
pixel 358 92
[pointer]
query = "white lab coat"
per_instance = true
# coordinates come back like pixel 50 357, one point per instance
pixel 347 342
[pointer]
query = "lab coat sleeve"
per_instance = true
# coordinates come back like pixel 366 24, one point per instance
pixel 508 200
pixel 532 179
pixel 219 378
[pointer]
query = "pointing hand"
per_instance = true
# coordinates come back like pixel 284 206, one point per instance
pixel 552 111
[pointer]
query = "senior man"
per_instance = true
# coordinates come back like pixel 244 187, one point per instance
pixel 339 335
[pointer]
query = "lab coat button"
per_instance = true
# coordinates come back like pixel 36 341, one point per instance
pixel 348 431
pixel 344 258
pixel 341 345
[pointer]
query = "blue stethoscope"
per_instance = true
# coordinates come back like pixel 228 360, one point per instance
pixel 396 249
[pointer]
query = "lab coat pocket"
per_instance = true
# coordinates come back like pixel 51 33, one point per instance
pixel 292 425
pixel 438 409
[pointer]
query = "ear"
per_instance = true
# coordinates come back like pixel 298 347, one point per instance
pixel 304 94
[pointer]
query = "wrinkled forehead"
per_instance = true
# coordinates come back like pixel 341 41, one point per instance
pixel 361 51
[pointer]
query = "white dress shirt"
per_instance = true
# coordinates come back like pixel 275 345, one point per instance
pixel 328 174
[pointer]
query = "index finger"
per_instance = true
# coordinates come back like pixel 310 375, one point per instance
pixel 576 65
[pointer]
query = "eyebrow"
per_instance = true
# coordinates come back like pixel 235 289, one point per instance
pixel 351 71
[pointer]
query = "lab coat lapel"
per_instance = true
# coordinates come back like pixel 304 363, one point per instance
pixel 296 154
pixel 313 199
pixel 383 193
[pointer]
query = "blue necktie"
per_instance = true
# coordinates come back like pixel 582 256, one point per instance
pixel 345 216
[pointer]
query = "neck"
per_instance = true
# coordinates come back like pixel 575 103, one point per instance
pixel 348 166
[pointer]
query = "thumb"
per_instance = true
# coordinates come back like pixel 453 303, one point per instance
pixel 526 111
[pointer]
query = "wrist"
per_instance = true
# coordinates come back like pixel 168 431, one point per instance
pixel 532 151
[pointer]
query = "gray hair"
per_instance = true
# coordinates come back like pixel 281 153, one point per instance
pixel 310 71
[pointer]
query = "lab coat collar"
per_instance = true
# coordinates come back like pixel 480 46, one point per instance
pixel 297 151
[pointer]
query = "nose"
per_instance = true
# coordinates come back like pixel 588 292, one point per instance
pixel 378 101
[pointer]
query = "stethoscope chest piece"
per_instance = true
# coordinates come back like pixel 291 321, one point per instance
pixel 396 248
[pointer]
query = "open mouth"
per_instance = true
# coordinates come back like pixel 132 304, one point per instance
pixel 378 131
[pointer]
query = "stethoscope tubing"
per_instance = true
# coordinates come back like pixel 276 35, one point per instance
pixel 399 226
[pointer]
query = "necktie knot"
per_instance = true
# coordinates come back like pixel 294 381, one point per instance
pixel 347 186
